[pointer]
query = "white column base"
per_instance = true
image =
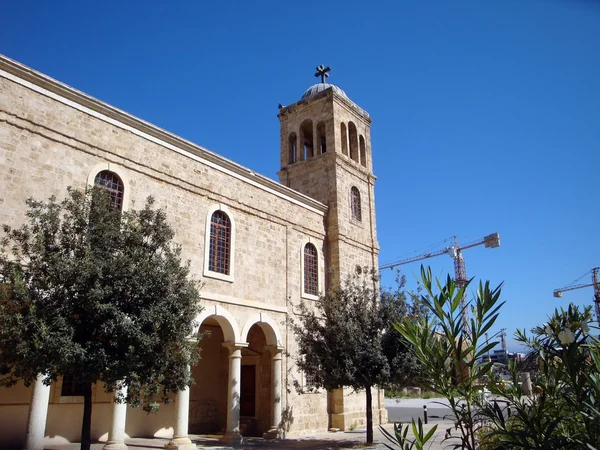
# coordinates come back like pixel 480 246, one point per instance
pixel 182 443
pixel 110 445
pixel 273 433
pixel 234 438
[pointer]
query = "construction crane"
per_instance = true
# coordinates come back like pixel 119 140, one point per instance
pixel 595 283
pixel 460 269
pixel 503 340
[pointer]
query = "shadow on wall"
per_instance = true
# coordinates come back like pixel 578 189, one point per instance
pixel 287 419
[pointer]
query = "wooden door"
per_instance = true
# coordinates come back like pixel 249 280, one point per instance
pixel 248 391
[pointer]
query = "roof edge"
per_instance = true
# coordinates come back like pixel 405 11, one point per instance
pixel 163 136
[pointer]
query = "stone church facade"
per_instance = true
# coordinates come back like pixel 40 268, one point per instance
pixel 259 246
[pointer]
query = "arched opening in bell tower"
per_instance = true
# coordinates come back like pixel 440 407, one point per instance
pixel 353 141
pixel 363 151
pixel 292 143
pixel 322 137
pixel 306 139
pixel 344 136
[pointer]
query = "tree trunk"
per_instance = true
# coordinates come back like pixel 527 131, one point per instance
pixel 87 417
pixel 369 416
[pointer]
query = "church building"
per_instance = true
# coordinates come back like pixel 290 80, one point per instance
pixel 259 247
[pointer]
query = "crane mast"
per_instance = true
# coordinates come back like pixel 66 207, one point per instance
pixel 460 269
pixel 595 283
pixel 503 340
pixel 596 292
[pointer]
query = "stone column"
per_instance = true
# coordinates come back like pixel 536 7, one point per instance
pixel 116 436
pixel 38 411
pixel 526 380
pixel 276 432
pixel 232 433
pixel 180 440
pixel 316 143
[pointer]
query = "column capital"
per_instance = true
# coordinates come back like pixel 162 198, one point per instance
pixel 275 350
pixel 234 346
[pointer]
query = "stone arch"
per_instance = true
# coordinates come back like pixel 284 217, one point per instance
pixel 231 331
pixel 268 326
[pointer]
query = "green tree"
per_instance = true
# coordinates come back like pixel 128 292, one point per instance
pixel 99 294
pixel 564 410
pixel 398 305
pixel 341 338
pixel 450 351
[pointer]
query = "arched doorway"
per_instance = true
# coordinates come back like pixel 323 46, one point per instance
pixel 261 375
pixel 255 385
pixel 208 395
pixel 209 403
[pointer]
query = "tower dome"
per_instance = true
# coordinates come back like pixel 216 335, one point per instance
pixel 319 87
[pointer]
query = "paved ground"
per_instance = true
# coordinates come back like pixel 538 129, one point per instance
pixel 323 441
pixel 405 408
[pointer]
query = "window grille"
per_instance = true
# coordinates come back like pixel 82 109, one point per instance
pixel 71 386
pixel 355 204
pixel 111 182
pixel 220 243
pixel 310 383
pixel 311 273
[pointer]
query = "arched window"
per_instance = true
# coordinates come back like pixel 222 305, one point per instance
pixel 322 137
pixel 363 151
pixel 355 203
pixel 111 182
pixel 306 139
pixel 220 243
pixel 311 270
pixel 292 148
pixel 344 136
pixel 353 135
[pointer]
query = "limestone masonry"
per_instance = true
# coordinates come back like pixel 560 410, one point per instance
pixel 258 245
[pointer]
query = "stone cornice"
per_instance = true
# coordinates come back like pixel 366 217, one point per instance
pixel 48 86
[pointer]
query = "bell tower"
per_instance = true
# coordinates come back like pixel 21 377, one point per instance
pixel 325 152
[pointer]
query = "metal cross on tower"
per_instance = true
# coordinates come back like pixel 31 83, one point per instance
pixel 322 72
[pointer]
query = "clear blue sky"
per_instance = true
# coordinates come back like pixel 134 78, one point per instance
pixel 486 115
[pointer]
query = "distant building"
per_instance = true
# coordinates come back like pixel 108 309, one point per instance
pixel 502 357
pixel 258 245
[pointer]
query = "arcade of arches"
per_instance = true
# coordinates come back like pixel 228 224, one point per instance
pixel 239 379
pixel 240 372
